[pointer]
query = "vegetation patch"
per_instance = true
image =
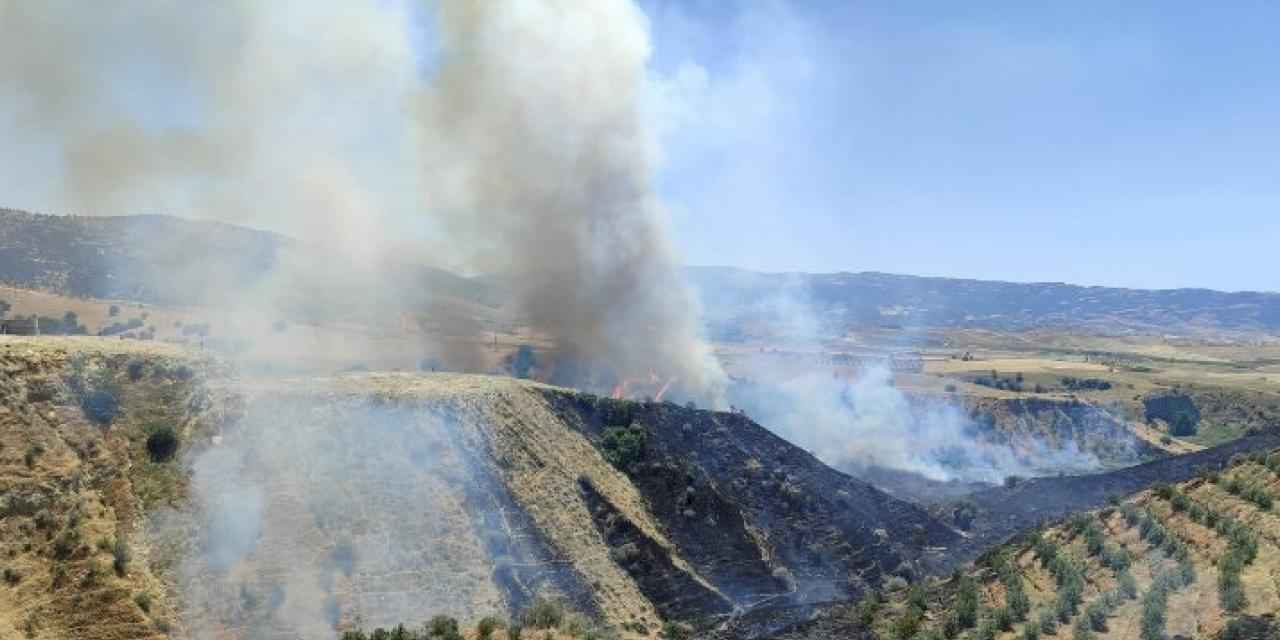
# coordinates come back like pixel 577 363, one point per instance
pixel 625 446
pixel 162 443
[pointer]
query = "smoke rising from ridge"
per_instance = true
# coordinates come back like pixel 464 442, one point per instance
pixel 552 148
pixel 859 421
pixel 513 144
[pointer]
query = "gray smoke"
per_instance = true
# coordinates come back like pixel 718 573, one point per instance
pixel 866 423
pixel 513 143
pixel 538 155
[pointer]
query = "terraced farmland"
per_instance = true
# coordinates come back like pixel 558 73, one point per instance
pixel 1198 559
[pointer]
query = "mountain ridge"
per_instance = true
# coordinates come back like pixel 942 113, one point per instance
pixel 147 258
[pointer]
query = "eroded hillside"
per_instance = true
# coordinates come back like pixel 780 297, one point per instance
pixel 149 491
pixel 84 458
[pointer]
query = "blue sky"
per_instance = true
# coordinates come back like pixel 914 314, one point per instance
pixel 1129 144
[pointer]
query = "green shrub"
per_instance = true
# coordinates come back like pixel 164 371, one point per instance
pixel 1048 623
pixel 868 608
pixel 624 446
pixel 1128 585
pixel 120 557
pixel 1045 551
pixel 1003 619
pixel 675 631
pixel 1259 496
pixel 143 600
pixel 1093 539
pixel 487 626
pixel 443 627
pixel 1031 632
pixel 1163 490
pixel 1231 592
pixel 65 544
pixel 162 444
pixel 100 406
pixel 966 608
pixel 1081 630
pixel 986 630
pixel 906 625
pixel 1017 603
pixel 544 614
pixel 1183 426
pixel 917 598
pixel 1116 558
pixel 951 626
pixel 1196 513
pixel 32 454
pixel 1096 614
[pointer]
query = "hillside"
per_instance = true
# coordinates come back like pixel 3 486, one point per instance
pixel 167 260
pixel 737 302
pixel 149 258
pixel 79 482
pixel 460 494
pixel 1197 559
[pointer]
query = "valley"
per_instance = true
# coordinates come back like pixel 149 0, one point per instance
pixel 198 467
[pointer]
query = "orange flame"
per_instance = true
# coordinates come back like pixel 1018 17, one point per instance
pixel 663 390
pixel 623 389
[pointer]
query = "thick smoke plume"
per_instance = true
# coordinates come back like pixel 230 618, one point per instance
pixel 540 156
pixel 507 140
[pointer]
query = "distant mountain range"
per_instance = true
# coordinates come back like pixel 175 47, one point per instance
pixel 169 260
pixel 735 298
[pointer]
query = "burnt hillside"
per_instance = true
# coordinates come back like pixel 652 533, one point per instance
pixel 1195 559
pixel 762 519
pixel 461 495
pixel 996 514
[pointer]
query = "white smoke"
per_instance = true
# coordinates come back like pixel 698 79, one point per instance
pixel 867 422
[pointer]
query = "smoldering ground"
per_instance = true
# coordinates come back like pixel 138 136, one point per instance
pixel 863 423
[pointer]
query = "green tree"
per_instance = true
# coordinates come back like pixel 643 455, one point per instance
pixel 1183 426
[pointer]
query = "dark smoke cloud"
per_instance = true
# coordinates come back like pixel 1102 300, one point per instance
pixel 538 154
pixel 523 153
